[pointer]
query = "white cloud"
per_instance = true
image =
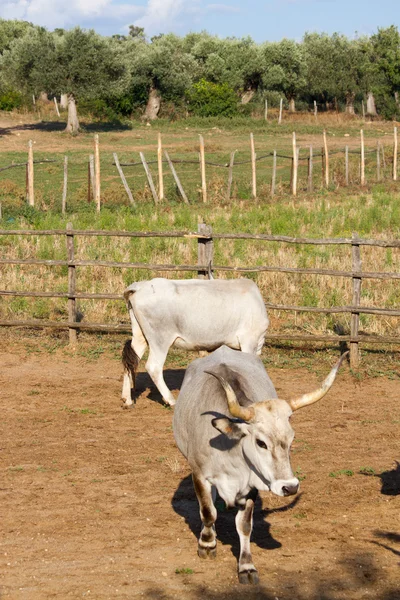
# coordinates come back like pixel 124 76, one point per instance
pixel 61 13
pixel 166 15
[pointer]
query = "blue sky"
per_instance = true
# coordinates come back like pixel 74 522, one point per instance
pixel 261 19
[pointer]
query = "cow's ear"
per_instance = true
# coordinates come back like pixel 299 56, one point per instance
pixel 233 430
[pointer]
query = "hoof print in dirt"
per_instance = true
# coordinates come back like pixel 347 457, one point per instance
pixel 207 552
pixel 249 577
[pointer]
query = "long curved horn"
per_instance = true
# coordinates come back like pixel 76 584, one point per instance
pixel 240 412
pixel 307 399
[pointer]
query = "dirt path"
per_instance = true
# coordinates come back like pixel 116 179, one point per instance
pixel 97 502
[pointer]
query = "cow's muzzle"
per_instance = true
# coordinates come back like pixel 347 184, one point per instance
pixel 290 490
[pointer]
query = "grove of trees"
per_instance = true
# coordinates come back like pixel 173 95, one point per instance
pixel 197 74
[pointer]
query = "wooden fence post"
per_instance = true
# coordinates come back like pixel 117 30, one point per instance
pixel 280 111
pixel 91 182
pixel 355 317
pixel 395 155
pixel 203 169
pixel 253 168
pixel 123 179
pixel 31 188
pixel 149 178
pixel 230 175
pixel 56 105
pixel 266 110
pixel 326 160
pixel 315 109
pixel 205 251
pixel 310 171
pixel 176 178
pixel 71 284
pixel 362 158
pixel 160 169
pixel 273 182
pixel 97 172
pixel 295 165
pixel 64 196
pixel 346 165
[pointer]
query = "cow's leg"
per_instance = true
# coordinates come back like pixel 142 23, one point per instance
pixel 244 525
pixel 154 367
pixel 130 358
pixel 205 492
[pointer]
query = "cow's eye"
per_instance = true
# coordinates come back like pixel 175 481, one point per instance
pixel 262 444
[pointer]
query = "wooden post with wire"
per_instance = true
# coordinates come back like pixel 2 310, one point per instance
pixel 31 188
pixel 355 317
pixel 253 168
pixel 395 155
pixel 71 284
pixel 230 175
pixel 64 196
pixel 310 171
pixel 362 167
pixel 160 169
pixel 123 179
pixel 326 160
pixel 346 165
pixel 203 169
pixel 273 182
pixel 280 111
pixel 176 178
pixel 378 161
pixel 295 165
pixel 97 172
pixel 205 250
pixel 149 178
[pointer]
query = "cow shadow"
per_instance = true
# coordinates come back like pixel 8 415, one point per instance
pixel 389 536
pixel 391 481
pixel 172 377
pixel 184 503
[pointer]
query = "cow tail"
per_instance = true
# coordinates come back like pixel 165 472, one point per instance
pixel 130 360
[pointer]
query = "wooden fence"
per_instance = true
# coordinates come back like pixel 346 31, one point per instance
pixel 205 238
pixel 294 159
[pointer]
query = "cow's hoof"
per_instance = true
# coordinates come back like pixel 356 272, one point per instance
pixel 249 577
pixel 126 406
pixel 207 552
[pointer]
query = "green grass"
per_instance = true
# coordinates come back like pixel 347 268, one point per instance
pixel 345 472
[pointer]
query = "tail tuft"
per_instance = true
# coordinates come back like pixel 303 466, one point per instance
pixel 130 360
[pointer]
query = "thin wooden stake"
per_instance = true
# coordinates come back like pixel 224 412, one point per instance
pixel 326 160
pixel 383 157
pixel 363 109
pixel 71 284
pixel 91 176
pixel 160 169
pixel 31 189
pixel 55 102
pixel 253 168
pixel 149 178
pixel 203 169
pixel 295 166
pixel 123 179
pixel 362 167
pixel 346 165
pixel 34 99
pixel 378 162
pixel 280 111
pixel 266 110
pixel 315 109
pixel 310 171
pixel 273 182
pixel 97 172
pixel 230 175
pixel 64 196
pixel 395 155
pixel 175 176
pixel 355 317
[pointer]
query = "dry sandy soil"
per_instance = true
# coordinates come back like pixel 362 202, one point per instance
pixel 97 502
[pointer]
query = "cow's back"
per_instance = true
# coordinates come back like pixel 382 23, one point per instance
pixel 202 397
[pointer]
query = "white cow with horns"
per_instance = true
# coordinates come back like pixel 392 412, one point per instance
pixel 236 435
pixel 193 314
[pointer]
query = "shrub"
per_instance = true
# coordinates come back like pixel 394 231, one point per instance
pixel 207 99
pixel 98 109
pixel 10 99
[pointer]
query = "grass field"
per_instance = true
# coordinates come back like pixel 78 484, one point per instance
pixel 372 211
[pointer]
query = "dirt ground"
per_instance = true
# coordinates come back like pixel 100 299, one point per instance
pixel 97 502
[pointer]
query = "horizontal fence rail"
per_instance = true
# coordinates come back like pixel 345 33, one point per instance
pixel 205 238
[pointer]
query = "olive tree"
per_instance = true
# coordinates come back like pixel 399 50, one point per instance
pixel 285 69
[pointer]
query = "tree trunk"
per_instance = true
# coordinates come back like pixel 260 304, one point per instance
pixel 247 96
pixel 350 103
pixel 396 97
pixel 371 107
pixel 64 101
pixel 43 97
pixel 292 105
pixel 153 105
pixel 73 121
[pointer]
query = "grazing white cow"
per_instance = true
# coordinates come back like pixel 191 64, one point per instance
pixel 193 314
pixel 236 435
